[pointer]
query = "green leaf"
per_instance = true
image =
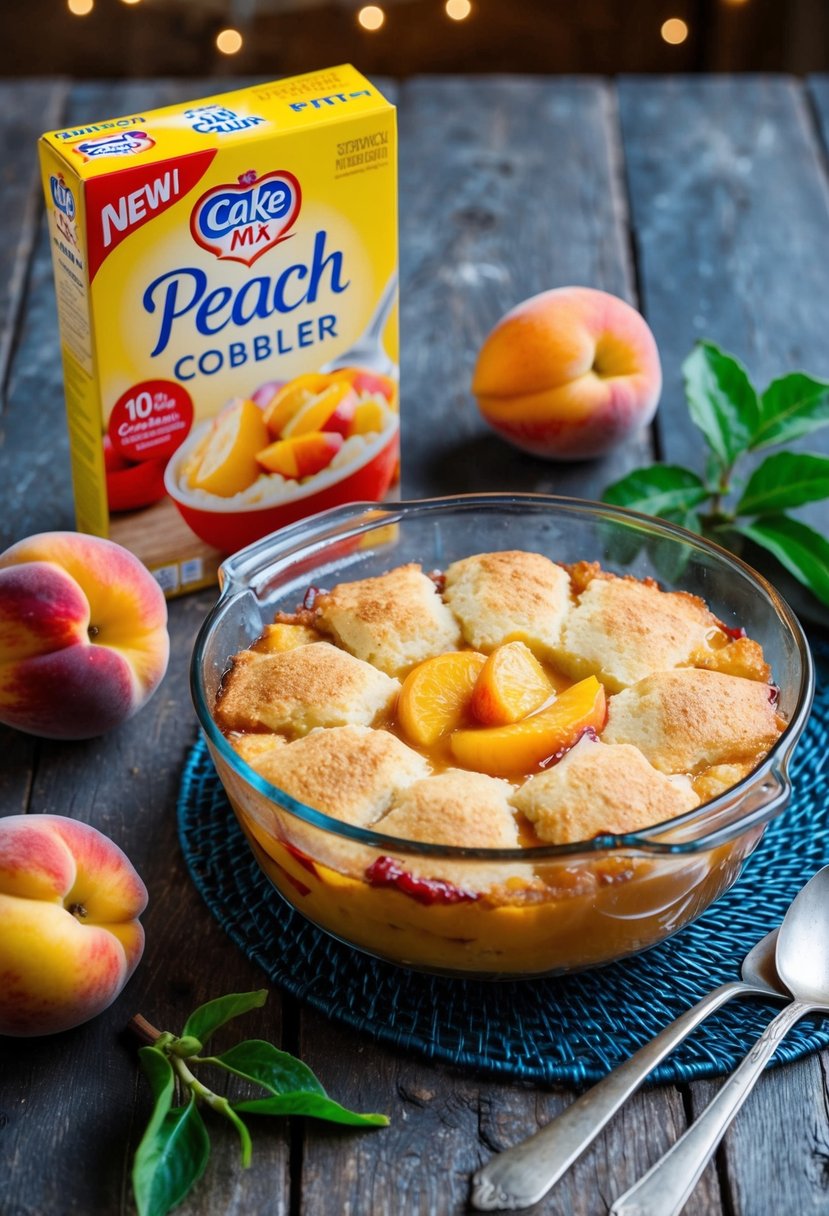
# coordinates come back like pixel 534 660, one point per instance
pixel 722 400
pixel 310 1104
pixel 792 406
pixel 224 1108
pixel 170 1159
pixel 661 489
pixel 785 480
pixel 294 1088
pixel 208 1018
pixel 802 550
pixel 276 1070
pixel 159 1072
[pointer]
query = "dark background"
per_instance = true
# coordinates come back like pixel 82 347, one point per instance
pixel 177 37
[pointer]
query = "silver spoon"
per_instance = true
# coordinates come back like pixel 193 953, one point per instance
pixel 802 961
pixel 368 351
pixel 521 1175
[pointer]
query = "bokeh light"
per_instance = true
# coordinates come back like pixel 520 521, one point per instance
pixel 458 10
pixel 674 31
pixel 371 17
pixel 80 8
pixel 229 41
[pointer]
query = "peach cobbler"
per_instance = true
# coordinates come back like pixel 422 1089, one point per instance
pixel 508 702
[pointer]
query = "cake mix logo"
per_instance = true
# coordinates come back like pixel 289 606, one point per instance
pixel 125 143
pixel 64 201
pixel 240 223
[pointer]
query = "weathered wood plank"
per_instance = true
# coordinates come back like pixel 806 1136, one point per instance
pixel 508 187
pixel 75 1100
pixel 730 208
pixel 28 108
pixel 776 1154
pixel 446 1123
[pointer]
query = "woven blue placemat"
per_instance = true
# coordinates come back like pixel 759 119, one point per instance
pixel 571 1029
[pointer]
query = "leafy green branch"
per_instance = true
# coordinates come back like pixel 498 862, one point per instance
pixel 175 1147
pixel 726 504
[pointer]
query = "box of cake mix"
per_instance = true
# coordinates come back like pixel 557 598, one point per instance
pixel 226 276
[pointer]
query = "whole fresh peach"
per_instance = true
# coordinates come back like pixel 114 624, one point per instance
pixel 69 938
pixel 83 635
pixel 568 373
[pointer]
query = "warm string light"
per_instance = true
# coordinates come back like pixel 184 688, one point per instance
pixel 674 31
pixel 458 10
pixel 80 8
pixel 371 17
pixel 229 41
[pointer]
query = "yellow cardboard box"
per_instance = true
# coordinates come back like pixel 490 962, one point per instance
pixel 226 276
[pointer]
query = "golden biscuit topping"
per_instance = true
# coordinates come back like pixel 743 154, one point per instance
pixel 349 772
pixel 392 621
pixel 597 789
pixel 507 661
pixel 508 596
pixel 690 719
pixel 296 690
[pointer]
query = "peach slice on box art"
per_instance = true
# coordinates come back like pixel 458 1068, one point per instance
pixel 369 384
pixel 521 747
pixel 227 464
pixel 301 455
pixel 332 410
pixel 435 696
pixel 290 398
pixel 512 684
pixel 368 418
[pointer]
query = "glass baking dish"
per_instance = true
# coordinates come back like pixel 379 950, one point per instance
pixel 596 901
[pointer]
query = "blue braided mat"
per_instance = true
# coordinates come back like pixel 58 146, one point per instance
pixel 570 1029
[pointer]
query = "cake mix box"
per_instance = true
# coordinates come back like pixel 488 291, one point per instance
pixel 226 276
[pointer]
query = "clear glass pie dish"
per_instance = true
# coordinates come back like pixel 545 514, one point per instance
pixel 590 902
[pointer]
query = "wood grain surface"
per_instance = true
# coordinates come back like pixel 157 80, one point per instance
pixel 704 202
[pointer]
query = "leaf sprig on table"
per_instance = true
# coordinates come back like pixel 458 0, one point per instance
pixel 175 1148
pixel 727 504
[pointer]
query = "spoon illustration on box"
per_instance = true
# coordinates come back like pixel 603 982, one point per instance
pixel 368 351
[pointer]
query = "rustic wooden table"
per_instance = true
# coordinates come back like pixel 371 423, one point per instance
pixel 705 201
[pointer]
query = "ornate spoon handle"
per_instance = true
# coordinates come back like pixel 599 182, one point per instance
pixel 665 1189
pixel 521 1175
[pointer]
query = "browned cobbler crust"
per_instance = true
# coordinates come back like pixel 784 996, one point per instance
pixel 296 690
pixel 453 807
pixel 350 772
pixel 622 629
pixel 740 657
pixel 392 621
pixel 691 719
pixel 499 597
pixel 579 798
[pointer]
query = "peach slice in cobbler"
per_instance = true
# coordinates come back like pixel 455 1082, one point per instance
pixel 436 695
pixel 521 747
pixel 512 684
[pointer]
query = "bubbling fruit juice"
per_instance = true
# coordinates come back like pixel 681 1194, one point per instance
pixel 226 276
